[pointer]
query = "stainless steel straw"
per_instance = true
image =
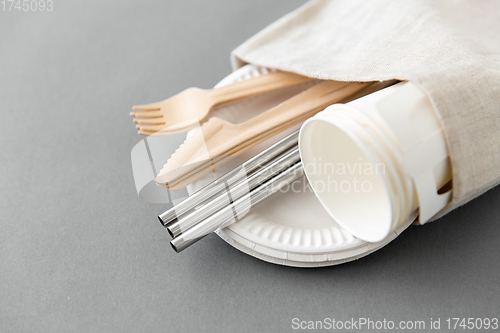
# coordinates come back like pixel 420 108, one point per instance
pixel 234 192
pixel 229 214
pixel 231 177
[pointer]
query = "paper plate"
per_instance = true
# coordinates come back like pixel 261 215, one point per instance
pixel 290 228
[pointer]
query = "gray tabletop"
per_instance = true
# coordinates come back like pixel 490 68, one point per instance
pixel 79 251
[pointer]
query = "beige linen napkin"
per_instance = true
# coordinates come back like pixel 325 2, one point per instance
pixel 449 48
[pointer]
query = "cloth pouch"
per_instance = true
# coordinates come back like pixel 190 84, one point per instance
pixel 449 48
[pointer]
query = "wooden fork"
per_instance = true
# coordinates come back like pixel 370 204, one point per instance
pixel 190 107
pixel 219 139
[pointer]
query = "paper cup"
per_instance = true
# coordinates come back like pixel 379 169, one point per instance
pixel 374 161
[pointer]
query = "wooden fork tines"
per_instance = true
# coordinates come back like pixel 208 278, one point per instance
pixel 190 107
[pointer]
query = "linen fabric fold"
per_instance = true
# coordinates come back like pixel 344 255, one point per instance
pixel 449 48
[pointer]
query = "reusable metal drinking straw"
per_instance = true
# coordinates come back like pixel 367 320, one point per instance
pixel 228 179
pixel 230 213
pixel 234 192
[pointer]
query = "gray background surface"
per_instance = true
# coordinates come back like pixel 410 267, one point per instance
pixel 80 252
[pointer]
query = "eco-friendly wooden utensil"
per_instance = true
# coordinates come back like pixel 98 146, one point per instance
pixel 190 107
pixel 219 139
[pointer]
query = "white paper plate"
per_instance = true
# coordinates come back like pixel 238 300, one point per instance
pixel 289 228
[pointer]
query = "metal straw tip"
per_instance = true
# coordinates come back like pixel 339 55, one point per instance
pixel 167 217
pixel 161 221
pixel 181 243
pixel 174 247
pixel 170 232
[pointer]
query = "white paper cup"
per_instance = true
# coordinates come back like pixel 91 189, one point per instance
pixel 374 161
